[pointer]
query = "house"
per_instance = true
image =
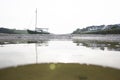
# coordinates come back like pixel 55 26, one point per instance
pixel 95 28
pixel 115 26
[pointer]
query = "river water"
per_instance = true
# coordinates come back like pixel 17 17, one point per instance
pixel 106 54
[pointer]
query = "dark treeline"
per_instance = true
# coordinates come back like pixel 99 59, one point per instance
pixel 14 31
pixel 5 30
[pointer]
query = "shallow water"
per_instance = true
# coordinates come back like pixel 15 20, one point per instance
pixel 106 54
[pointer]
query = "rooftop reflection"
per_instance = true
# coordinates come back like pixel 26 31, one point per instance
pixel 102 45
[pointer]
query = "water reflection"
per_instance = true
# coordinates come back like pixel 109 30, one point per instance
pixel 38 42
pixel 17 49
pixel 14 53
pixel 111 46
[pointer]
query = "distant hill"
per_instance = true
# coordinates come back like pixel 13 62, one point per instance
pixel 12 31
pixel 102 29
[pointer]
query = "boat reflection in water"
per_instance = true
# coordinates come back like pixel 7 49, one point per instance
pixel 15 47
pixel 102 45
pixel 38 44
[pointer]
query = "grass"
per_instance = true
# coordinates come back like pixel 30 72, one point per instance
pixel 59 72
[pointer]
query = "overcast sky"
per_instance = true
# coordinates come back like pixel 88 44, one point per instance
pixel 60 16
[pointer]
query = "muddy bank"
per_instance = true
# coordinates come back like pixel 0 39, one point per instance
pixel 59 72
pixel 99 37
pixel 34 37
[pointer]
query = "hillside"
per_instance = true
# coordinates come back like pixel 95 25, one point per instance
pixel 102 29
pixel 14 31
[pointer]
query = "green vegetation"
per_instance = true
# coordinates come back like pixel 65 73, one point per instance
pixel 20 32
pixel 111 31
pixel 102 29
pixel 14 31
pixel 59 72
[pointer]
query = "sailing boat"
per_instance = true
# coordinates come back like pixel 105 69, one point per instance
pixel 36 32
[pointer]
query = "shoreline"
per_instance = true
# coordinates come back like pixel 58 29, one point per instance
pixel 37 37
pixel 98 37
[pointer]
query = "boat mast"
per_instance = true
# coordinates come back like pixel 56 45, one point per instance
pixel 36 33
pixel 36 19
